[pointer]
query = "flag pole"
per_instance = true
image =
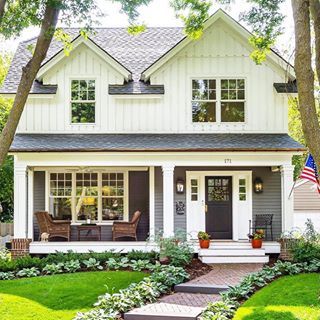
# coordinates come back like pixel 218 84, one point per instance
pixel 294 184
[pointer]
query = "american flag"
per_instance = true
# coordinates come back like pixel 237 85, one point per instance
pixel 310 172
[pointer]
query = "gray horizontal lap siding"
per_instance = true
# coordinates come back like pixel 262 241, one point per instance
pixel 267 202
pixel 138 181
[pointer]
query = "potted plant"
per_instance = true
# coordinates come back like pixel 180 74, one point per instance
pixel 204 240
pixel 256 238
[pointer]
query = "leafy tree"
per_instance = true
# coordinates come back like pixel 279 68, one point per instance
pixel 6 171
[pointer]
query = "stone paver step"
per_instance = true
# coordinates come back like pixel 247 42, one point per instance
pixel 200 288
pixel 160 311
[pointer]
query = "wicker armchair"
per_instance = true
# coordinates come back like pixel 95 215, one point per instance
pixel 126 229
pixel 55 228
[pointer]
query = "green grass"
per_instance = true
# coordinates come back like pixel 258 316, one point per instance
pixel 288 298
pixel 59 297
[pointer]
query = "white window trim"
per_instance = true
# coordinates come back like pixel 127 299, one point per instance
pixel 74 221
pixel 218 100
pixel 83 101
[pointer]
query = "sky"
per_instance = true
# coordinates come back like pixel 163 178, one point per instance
pixel 159 13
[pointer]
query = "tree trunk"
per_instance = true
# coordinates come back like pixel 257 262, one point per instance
pixel 305 77
pixel 315 13
pixel 29 73
pixel 2 5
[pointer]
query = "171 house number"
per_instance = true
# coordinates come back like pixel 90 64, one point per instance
pixel 227 161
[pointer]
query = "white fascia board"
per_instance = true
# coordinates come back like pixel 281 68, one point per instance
pixel 30 96
pixel 137 96
pixel 219 14
pixel 95 48
pixel 142 159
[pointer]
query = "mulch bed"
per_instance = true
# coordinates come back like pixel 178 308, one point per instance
pixel 196 269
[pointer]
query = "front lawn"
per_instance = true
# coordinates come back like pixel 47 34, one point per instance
pixel 288 298
pixel 59 297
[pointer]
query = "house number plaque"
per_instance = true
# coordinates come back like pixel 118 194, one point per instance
pixel 227 161
pixel 180 207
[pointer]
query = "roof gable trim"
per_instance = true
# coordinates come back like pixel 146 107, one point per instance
pixel 126 73
pixel 219 14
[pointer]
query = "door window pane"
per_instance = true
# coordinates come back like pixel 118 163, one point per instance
pixel 194 190
pixel 242 189
pixel 218 189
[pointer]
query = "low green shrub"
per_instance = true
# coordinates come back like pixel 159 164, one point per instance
pixel 4 254
pixel 176 249
pixel 141 255
pixel 306 245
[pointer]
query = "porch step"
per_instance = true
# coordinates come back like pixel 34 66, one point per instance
pixel 231 252
pixel 160 311
pixel 236 253
pixel 200 288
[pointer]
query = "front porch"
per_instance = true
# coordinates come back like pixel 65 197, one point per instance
pixel 149 185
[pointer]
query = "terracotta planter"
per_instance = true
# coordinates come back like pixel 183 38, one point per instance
pixel 256 243
pixel 204 244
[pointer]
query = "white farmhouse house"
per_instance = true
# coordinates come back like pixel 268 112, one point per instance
pixel 184 131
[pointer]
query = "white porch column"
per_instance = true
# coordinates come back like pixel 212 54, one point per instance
pixel 287 202
pixel 151 203
pixel 20 201
pixel 168 189
pixel 30 203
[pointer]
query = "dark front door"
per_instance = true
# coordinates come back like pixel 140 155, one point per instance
pixel 219 207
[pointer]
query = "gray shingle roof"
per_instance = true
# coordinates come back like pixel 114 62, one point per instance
pixel 287 87
pixel 153 142
pixel 136 87
pixel 135 53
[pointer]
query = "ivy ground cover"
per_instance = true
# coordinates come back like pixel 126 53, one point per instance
pixel 59 297
pixel 288 298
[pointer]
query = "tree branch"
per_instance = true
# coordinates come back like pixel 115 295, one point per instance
pixel 2 5
pixel 315 14
pixel 305 76
pixel 29 73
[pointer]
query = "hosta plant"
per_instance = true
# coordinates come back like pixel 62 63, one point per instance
pixel 72 266
pixel 28 272
pixel 139 265
pixel 7 275
pixel 92 264
pixel 53 268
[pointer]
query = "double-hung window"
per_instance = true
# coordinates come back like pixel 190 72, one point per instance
pixel 99 196
pixel 83 101
pixel 218 100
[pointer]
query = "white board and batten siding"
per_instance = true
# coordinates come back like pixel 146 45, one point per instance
pixel 306 205
pixel 221 52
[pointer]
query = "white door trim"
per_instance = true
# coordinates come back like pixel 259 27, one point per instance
pixel 196 209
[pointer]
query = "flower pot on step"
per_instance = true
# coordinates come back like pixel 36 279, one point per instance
pixel 204 244
pixel 256 243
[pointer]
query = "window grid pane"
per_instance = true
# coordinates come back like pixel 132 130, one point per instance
pixel 242 189
pixel 83 101
pixel 194 190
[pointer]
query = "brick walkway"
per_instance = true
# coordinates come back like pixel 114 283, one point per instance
pixel 221 274
pixel 183 303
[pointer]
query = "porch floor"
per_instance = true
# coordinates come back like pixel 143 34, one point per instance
pixel 37 247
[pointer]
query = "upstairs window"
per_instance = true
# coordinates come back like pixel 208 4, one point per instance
pixel 83 101
pixel 218 100
pixel 204 100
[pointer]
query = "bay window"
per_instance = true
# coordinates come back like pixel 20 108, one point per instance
pixel 98 196
pixel 218 100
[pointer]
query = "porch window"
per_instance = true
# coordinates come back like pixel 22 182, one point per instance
pixel 242 190
pixel 112 196
pixel 83 98
pixel 218 100
pixel 98 196
pixel 60 196
pixel 87 196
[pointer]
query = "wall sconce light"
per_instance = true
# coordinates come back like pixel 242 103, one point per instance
pixel 179 186
pixel 258 185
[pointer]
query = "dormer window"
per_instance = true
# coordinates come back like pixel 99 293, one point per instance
pixel 218 100
pixel 83 101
